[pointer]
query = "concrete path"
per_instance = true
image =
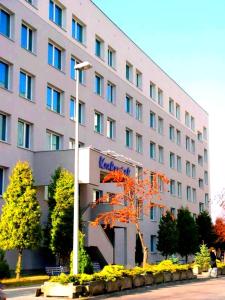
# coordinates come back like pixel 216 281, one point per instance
pixel 201 290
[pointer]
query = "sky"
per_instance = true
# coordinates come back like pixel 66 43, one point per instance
pixel 187 40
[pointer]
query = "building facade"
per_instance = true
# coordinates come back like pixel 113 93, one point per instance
pixel 129 110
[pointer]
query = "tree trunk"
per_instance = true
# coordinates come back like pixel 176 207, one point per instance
pixel 144 248
pixel 19 263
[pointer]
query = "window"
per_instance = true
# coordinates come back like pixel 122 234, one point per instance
pixel 205 155
pixel 54 100
pixel 152 90
pixel 111 57
pixel 2 180
pixel 171 133
pixel 129 70
pixel 161 212
pixel 171 106
pixel 97 194
pixel 152 120
pixel 160 185
pixel 172 187
pixel 99 47
pixel 4 75
pixel 129 105
pixel 173 211
pixel 3 127
pixel 205 133
pixel 172 160
pixel 187 119
pixel 98 85
pixel 188 145
pixel 199 134
pixel 29 1
pixel 71 144
pixel 73 73
pixel 178 137
pixel 200 183
pixel 179 165
pixel 153 213
pixel 193 146
pixel 111 92
pixel 111 128
pixel 53 141
pixel 138 112
pixel 206 199
pixel 152 150
pixel 160 97
pixel 200 160
pixel 160 125
pixel 73 111
pixel 188 192
pixel 193 171
pixel 24 135
pixel 201 207
pixel 129 138
pixel 177 111
pixel 206 179
pixel 161 154
pixel 27 37
pixel 55 13
pixel 54 56
pixel 193 195
pixel 192 123
pixel 26 85
pixel 138 79
pixel 4 23
pixel 98 122
pixel 153 243
pixel 179 189
pixel 139 143
pixel 188 168
pixel 78 30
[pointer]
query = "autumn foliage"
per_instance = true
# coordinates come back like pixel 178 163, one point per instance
pixel 135 198
pixel 219 228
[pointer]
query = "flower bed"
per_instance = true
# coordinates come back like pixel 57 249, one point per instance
pixel 115 278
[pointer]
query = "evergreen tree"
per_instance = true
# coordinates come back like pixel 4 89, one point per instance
pixel 206 233
pixel 167 235
pixel 20 220
pixel 61 242
pixel 187 233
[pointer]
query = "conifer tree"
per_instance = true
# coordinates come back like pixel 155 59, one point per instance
pixel 20 219
pixel 206 232
pixel 167 235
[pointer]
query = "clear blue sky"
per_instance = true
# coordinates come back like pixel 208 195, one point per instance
pixel 187 39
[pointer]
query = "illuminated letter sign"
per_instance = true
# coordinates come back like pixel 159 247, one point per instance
pixel 110 166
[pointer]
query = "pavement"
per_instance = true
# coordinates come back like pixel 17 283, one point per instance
pixel 212 289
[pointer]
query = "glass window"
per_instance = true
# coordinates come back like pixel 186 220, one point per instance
pixel 160 97
pixel 193 171
pixel 138 79
pixel 73 110
pixel 73 74
pixel 205 155
pixel 1 181
pixel 23 139
pixel 188 145
pixel 4 75
pixel 161 154
pixel 53 141
pixel 178 141
pixel 54 56
pixel 152 150
pixel 110 92
pixel 129 71
pixel 171 133
pixel 205 133
pixel 192 123
pixel 98 85
pixel 153 213
pixel 172 160
pixel 188 168
pixel 153 243
pixel 129 141
pixel 139 143
pixel 25 85
pixel 138 111
pixel 171 106
pixel 128 105
pixel 152 120
pixel 77 31
pixel 172 187
pixel 160 125
pixel 188 193
pixel 53 100
pixel 111 57
pixel 98 122
pixel 3 127
pixel 26 38
pixel 110 128
pixel 4 23
pixel 152 90
pixel 178 111
pixel 98 47
pixel 55 13
pixel 179 165
pixel 179 189
pixel 187 119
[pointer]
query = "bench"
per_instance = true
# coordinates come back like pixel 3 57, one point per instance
pixel 53 271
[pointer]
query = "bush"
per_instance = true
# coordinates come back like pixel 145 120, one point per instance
pixel 202 258
pixel 4 267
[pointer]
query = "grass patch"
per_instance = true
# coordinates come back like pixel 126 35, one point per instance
pixel 23 281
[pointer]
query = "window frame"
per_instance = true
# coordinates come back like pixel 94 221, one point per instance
pixel 26 125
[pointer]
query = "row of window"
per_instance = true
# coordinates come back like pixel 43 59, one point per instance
pixel 55 56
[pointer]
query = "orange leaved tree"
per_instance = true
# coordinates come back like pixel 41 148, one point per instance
pixel 136 196
pixel 219 228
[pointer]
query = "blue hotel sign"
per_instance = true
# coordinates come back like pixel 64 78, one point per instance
pixel 110 166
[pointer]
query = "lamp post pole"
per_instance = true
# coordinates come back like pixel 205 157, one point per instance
pixel 78 69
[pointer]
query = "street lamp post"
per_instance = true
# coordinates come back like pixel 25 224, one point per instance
pixel 78 68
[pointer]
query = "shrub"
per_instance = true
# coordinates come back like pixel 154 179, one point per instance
pixel 4 267
pixel 202 258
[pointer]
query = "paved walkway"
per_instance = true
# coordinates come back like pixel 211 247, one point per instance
pixel 201 290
